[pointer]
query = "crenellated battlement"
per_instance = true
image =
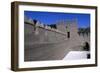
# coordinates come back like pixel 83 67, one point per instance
pixel 62 30
pixel 45 27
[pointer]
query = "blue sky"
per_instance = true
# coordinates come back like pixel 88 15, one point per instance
pixel 52 17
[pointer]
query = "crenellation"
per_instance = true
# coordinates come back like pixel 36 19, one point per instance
pixel 63 30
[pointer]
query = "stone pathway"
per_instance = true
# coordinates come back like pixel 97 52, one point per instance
pixel 49 51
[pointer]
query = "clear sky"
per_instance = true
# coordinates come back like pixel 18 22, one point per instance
pixel 52 17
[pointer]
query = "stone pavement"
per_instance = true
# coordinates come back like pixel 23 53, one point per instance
pixel 49 51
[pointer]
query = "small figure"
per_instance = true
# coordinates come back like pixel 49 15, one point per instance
pixel 86 47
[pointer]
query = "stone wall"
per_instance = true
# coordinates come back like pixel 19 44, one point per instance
pixel 38 33
pixel 42 34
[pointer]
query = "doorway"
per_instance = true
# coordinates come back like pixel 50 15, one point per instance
pixel 68 34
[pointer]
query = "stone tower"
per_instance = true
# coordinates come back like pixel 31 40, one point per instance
pixel 72 32
pixel 61 25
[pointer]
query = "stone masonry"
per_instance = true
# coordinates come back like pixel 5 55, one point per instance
pixel 43 39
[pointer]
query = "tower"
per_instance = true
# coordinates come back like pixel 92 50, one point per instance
pixel 61 25
pixel 72 32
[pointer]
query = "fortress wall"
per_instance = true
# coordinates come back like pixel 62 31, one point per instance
pixel 74 36
pixel 51 36
pixel 29 34
pixel 61 27
pixel 42 35
pixel 28 29
pixel 73 30
pixel 86 38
